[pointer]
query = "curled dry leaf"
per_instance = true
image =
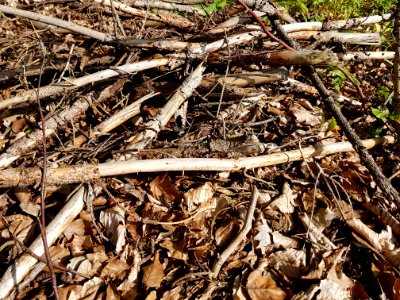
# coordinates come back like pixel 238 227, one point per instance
pixel 114 269
pixel 225 233
pixel 197 196
pixel 163 190
pixel 153 274
pixel 128 284
pixel 113 220
pixel 82 265
pixel 266 237
pixel 175 250
pixel 21 227
pixel 111 293
pixel 290 262
pixel 305 116
pixel 285 202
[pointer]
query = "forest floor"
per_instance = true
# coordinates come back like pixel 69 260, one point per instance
pixel 188 155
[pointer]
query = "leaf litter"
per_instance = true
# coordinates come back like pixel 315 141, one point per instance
pixel 316 231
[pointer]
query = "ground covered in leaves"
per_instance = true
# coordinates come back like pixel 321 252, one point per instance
pixel 321 228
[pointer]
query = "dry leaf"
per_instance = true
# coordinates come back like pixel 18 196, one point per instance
pixel 111 293
pixel 263 237
pixel 114 269
pixel 263 287
pixel 21 227
pixel 290 262
pixel 90 288
pixel 174 294
pixel 152 296
pixel 153 274
pixel 76 227
pixel 175 250
pixel 285 202
pixel 113 220
pixel 226 232
pixel 163 189
pixel 199 195
pixel 305 116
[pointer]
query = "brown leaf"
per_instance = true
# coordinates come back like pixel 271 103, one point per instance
pixel 263 287
pixel 153 274
pixel 76 227
pixel 173 294
pixel 111 293
pixel 163 189
pixel 114 269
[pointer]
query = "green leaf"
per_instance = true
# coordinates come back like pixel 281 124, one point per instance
pixel 332 124
pixel 382 92
pixel 395 117
pixel 216 6
pixel 376 131
pixel 382 114
pixel 336 71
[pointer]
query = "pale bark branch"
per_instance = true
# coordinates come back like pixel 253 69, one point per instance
pixel 174 20
pixel 154 126
pixel 167 6
pixel 57 22
pixel 85 173
pixel 74 83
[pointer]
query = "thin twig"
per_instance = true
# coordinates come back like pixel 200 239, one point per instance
pixel 239 238
pixel 43 193
pixel 264 28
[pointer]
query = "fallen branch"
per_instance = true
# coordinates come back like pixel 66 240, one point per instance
pixel 168 6
pixel 174 20
pixel 57 89
pixel 103 37
pixel 339 24
pixel 239 238
pixel 114 121
pixel 302 26
pixel 84 173
pixel 17 271
pixel 31 141
pixel 154 125
pixel 355 38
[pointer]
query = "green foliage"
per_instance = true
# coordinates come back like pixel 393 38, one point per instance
pixel 339 80
pixel 332 124
pixel 382 93
pixel 295 7
pixel 319 10
pixel 384 114
pixel 381 114
pixel 216 6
